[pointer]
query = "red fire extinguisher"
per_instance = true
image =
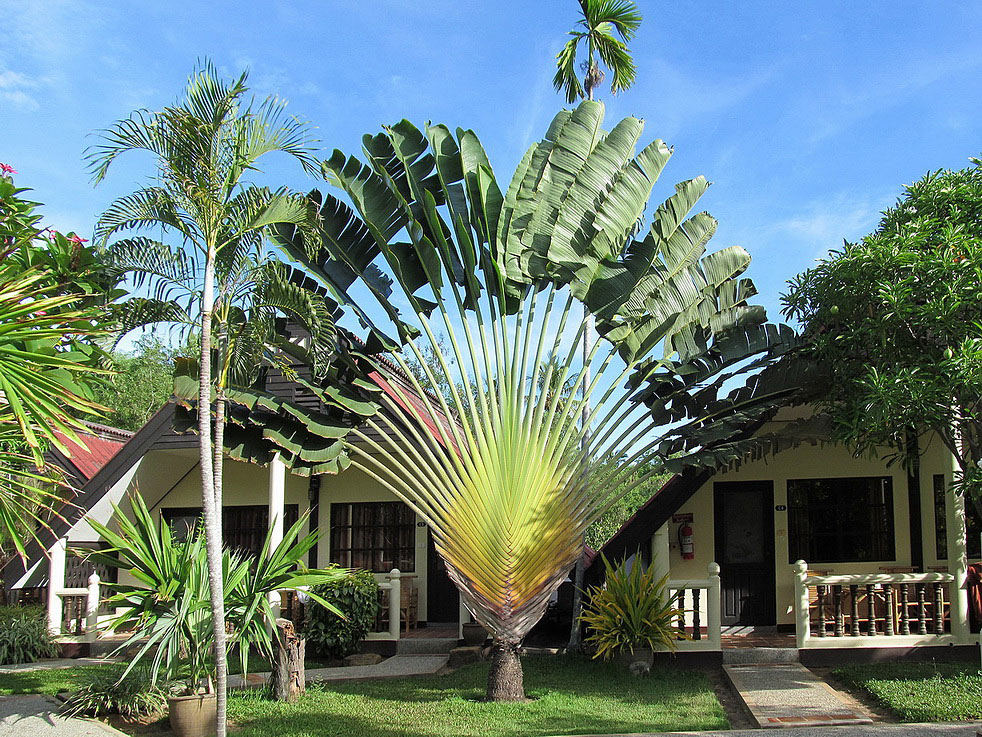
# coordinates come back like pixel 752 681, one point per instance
pixel 685 541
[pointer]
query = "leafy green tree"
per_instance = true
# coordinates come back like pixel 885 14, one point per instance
pixel 635 496
pixel 895 320
pixel 206 146
pixel 141 383
pixel 510 487
pixel 50 316
pixel 604 27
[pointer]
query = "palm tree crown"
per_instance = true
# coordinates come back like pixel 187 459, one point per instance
pixel 605 26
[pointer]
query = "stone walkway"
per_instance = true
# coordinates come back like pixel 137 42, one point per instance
pixel 38 716
pixel 790 695
pixel 398 666
pixel 56 664
pixel 944 729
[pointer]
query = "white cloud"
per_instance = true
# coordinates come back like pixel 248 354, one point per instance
pixel 823 224
pixel 17 90
pixel 848 103
pixel 682 98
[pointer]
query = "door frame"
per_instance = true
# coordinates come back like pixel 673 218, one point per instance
pixel 768 613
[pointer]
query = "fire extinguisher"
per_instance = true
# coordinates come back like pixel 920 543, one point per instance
pixel 685 541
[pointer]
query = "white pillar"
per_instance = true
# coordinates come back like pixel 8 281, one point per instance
pixel 395 603
pixel 802 621
pixel 714 613
pixel 957 564
pixel 56 582
pixel 660 552
pixel 277 503
pixel 92 609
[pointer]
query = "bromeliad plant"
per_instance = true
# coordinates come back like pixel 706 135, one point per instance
pixel 507 474
pixel 631 611
pixel 168 608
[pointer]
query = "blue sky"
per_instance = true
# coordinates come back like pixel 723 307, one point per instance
pixel 808 117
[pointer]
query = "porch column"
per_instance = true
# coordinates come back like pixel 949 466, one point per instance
pixel 56 582
pixel 661 563
pixel 277 499
pixel 957 563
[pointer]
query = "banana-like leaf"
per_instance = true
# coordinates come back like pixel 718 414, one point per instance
pixel 501 443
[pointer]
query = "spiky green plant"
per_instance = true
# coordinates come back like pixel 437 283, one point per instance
pixel 504 470
pixel 631 610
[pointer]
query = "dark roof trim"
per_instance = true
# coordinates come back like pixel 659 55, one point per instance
pixel 96 488
pixel 656 511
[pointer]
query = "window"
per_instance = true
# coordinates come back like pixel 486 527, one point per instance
pixel 839 520
pixel 375 536
pixel 973 525
pixel 243 527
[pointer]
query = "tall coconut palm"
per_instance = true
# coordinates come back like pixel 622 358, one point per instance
pixel 600 24
pixel 605 27
pixel 507 475
pixel 206 146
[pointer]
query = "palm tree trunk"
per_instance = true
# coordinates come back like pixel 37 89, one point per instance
pixel 218 452
pixel 213 540
pixel 506 682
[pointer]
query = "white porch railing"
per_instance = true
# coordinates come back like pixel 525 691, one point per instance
pixel 57 591
pixel 699 600
pixel 393 587
pixel 878 610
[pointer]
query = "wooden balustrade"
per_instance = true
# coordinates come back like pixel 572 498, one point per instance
pixel 862 609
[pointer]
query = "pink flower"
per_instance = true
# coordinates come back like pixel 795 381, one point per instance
pixel 50 233
pixel 76 240
pixel 7 169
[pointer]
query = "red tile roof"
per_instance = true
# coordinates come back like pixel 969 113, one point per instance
pixel 101 444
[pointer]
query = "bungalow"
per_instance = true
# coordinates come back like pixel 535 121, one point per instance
pixel 852 555
pixel 364 525
pixel 847 553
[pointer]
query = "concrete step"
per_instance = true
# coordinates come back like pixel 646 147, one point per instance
pixel 426 645
pixel 759 655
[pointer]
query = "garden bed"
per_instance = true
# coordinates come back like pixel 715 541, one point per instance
pixel 919 692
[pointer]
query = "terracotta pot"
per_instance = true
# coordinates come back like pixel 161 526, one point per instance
pixel 642 655
pixel 474 634
pixel 192 716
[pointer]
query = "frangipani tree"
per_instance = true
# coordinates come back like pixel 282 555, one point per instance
pixel 506 474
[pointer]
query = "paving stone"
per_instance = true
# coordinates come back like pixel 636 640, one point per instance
pixel 398 666
pixel 363 659
pixel 38 716
pixel 463 655
pixel 946 729
pixel 790 695
pixel 57 664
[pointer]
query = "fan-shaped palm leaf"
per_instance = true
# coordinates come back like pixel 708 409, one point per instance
pixel 508 474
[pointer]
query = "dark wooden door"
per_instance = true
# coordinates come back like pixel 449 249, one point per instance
pixel 745 551
pixel 442 597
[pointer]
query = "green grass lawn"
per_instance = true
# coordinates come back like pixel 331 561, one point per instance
pixel 571 696
pixel 69 679
pixel 920 692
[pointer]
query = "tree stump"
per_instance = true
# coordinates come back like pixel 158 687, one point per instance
pixel 288 681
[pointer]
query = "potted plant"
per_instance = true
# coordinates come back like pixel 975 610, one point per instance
pixel 168 608
pixel 631 616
